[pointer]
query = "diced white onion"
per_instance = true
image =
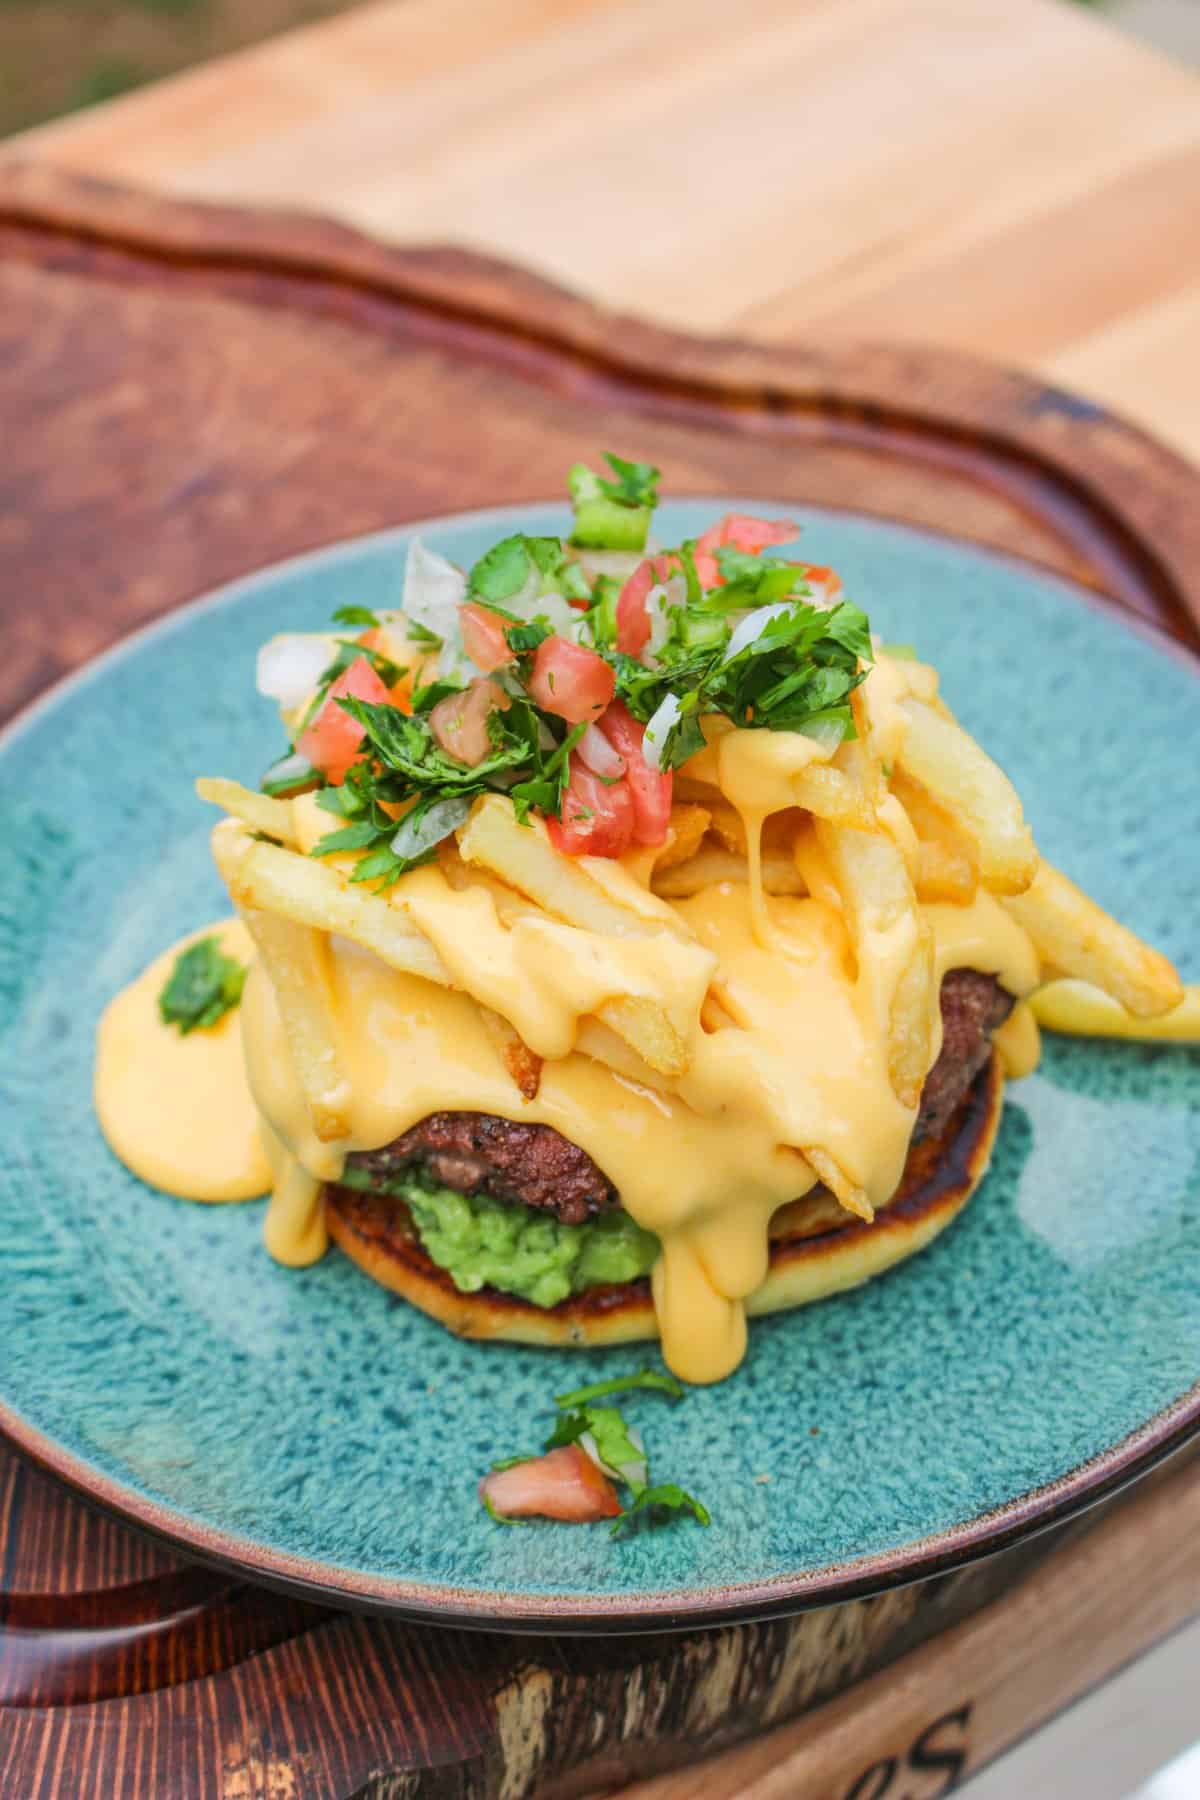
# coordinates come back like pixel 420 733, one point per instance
pixel 557 611
pixel 433 589
pixel 619 564
pixel 597 754
pixel 290 666
pixel 442 818
pixel 827 733
pixel 662 721
pixel 659 602
pixel 750 629
pixel 635 1474
pixel 294 770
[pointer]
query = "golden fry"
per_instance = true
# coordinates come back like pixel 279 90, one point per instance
pixel 522 1063
pixel 711 865
pixel 259 811
pixel 295 957
pixel 965 781
pixel 568 887
pixel 1074 935
pixel 1078 1008
pixel 847 1193
pixel 684 837
pixel 877 895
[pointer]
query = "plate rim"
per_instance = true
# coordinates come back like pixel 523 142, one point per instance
pixel 937 1553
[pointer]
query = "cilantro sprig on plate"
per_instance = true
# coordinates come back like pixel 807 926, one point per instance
pixel 204 984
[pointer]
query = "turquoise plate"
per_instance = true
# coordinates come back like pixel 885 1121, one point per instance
pixel 314 1431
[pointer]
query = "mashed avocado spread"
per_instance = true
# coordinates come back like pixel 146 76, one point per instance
pixel 482 1242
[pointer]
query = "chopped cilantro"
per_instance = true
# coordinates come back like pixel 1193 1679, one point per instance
pixel 656 1379
pixel 355 615
pixel 204 984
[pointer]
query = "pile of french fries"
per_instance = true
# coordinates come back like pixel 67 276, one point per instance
pixel 937 824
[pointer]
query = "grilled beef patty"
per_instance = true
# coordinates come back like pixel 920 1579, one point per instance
pixel 479 1153
pixel 972 1007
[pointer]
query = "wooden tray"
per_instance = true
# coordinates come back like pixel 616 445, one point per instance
pixel 188 393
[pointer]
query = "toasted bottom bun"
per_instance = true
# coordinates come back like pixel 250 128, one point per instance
pixel 816 1248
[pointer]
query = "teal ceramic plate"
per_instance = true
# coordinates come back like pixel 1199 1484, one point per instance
pixel 314 1431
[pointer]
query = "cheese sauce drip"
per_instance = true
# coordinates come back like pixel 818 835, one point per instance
pixel 792 1054
pixel 177 1110
pixel 702 1160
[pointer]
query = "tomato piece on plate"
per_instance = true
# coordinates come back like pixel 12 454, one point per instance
pixel 570 680
pixel 483 638
pixel 633 621
pixel 651 789
pixel 564 1484
pixel 597 816
pixel 331 742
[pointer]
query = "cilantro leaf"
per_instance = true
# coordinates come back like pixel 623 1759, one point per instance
pixel 355 615
pixel 666 1499
pixel 502 571
pixel 636 483
pixel 524 638
pixel 204 984
pixel 655 1379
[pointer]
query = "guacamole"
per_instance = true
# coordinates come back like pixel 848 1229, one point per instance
pixel 481 1242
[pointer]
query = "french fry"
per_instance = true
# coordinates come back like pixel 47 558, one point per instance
pixel 568 887
pixel 847 1193
pixel 834 793
pixel 295 959
pixel 273 880
pixel 259 811
pixel 522 1063
pixel 964 780
pixel 1081 1010
pixel 947 865
pixel 685 834
pixel 1079 938
pixel 877 894
pixel 711 865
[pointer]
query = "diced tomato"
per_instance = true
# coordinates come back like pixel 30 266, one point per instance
pixel 597 816
pixel 570 680
pixel 633 621
pixel 331 742
pixel 651 789
pixel 564 1484
pixel 378 640
pixel 459 722
pixel 741 531
pixel 707 568
pixel 483 638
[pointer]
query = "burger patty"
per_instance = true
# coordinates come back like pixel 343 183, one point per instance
pixel 480 1153
pixel 972 1007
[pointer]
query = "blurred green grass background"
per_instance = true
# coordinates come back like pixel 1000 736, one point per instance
pixel 58 55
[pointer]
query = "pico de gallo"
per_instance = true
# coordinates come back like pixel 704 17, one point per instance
pixel 572 674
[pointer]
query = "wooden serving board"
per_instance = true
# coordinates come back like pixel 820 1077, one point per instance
pixel 189 393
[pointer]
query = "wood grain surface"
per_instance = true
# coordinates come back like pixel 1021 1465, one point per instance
pixel 187 393
pixel 1013 178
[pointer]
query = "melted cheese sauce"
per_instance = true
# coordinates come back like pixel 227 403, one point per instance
pixel 178 1110
pixel 788 1070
